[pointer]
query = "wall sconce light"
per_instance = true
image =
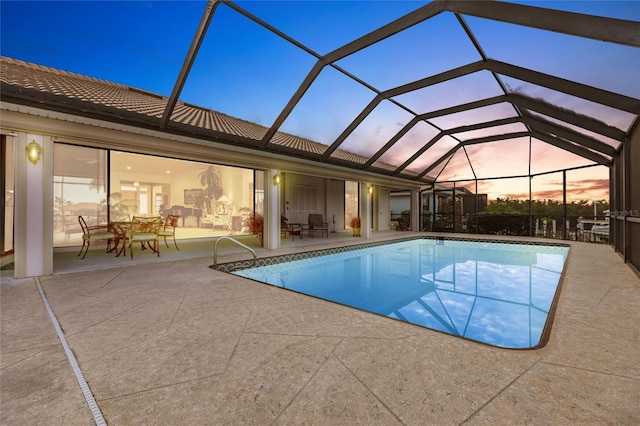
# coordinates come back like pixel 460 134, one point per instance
pixel 370 189
pixel 33 152
pixel 276 179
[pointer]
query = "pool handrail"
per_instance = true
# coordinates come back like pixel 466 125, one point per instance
pixel 215 250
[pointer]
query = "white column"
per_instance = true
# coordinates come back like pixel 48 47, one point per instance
pixel 33 226
pixel 383 203
pixel 415 210
pixel 272 210
pixel 365 210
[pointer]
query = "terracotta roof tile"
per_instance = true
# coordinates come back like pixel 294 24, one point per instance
pixel 106 95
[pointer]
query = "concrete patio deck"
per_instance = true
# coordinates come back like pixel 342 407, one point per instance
pixel 171 341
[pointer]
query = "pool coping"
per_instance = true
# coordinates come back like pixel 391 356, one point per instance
pixel 283 258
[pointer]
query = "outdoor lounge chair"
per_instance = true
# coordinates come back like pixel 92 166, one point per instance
pixel 94 233
pixel 317 224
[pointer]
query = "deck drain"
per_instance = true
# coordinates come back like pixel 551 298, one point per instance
pixel 88 396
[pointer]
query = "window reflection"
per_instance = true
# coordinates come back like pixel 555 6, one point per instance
pixel 79 189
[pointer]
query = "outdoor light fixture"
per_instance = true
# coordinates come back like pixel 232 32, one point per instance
pixel 276 179
pixel 33 152
pixel 370 189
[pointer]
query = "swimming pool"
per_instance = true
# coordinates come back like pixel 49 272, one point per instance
pixel 495 293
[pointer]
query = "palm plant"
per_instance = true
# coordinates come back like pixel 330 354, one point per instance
pixel 122 207
pixel 210 180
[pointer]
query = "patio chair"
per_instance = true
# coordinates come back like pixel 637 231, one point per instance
pixel 317 224
pixel 144 230
pixel 291 229
pixel 168 229
pixel 94 233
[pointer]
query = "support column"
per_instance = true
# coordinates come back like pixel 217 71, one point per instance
pixel 33 226
pixel 415 210
pixel 272 209
pixel 530 205
pixel 564 204
pixel 365 210
pixel 626 200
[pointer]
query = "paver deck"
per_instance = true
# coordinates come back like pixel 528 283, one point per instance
pixel 171 341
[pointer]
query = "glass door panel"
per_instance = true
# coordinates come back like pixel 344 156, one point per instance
pixel 79 188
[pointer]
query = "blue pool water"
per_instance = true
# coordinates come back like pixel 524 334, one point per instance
pixel 495 293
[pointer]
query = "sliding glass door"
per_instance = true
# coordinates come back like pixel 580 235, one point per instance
pixel 7 153
pixel 103 185
pixel 80 189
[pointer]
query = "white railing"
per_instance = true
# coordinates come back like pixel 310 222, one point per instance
pixel 215 250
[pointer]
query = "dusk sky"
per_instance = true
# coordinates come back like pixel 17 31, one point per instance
pixel 248 72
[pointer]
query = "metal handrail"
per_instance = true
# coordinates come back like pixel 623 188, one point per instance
pixel 215 250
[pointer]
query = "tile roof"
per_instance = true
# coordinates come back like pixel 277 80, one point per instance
pixel 106 99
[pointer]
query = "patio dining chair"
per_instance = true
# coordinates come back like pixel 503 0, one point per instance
pixel 291 229
pixel 168 229
pixel 144 230
pixel 94 233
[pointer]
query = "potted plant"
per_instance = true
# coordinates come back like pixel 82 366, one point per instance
pixel 255 223
pixel 354 222
pixel 426 220
pixel 404 221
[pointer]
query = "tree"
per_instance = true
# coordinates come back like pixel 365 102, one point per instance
pixel 546 208
pixel 506 205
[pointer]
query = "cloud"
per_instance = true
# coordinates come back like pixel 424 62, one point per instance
pixel 584 189
pixel 555 194
pixel 590 185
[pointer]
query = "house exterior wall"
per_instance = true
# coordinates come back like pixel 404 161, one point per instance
pixel 33 250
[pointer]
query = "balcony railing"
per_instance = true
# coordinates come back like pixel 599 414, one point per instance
pixel 570 228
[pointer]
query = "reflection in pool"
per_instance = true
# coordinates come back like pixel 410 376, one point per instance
pixel 495 293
